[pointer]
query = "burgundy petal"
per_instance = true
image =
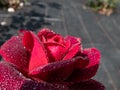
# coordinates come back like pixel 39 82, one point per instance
pixel 14 52
pixel 88 72
pixel 87 85
pixel 11 79
pixel 57 71
pixel 38 53
pixel 93 55
pixel 32 85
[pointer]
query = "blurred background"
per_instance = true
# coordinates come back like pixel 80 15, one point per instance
pixel 96 22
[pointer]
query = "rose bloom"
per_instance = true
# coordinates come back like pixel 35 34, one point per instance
pixel 47 61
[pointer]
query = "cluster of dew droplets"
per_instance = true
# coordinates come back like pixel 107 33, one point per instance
pixel 9 77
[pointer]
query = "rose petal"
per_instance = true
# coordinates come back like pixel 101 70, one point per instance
pixel 73 40
pixel 88 85
pixel 90 70
pixel 55 44
pixel 75 47
pixel 57 39
pixel 56 51
pixel 14 52
pixel 45 34
pixel 57 71
pixel 11 79
pixel 93 55
pixel 28 41
pixel 38 54
pixel 72 51
pixel 32 85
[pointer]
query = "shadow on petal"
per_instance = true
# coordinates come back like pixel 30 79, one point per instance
pixel 11 79
pixel 88 72
pixel 57 71
pixel 82 74
pixel 88 85
pixel 33 85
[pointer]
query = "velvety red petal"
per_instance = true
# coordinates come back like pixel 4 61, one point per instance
pixel 45 33
pixel 72 51
pixel 38 53
pixel 56 51
pixel 57 71
pixel 11 79
pixel 73 39
pixel 32 85
pixel 57 39
pixel 14 52
pixel 28 41
pixel 55 45
pixel 93 55
pixel 88 72
pixel 87 85
pixel 74 48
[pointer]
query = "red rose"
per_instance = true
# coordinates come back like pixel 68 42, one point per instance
pixel 47 61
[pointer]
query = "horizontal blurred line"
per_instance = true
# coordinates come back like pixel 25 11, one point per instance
pixel 5 15
pixel 52 19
